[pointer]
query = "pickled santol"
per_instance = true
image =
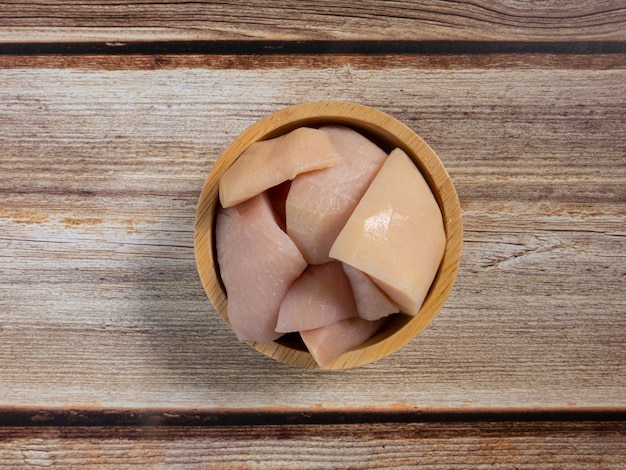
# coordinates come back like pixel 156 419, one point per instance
pixel 258 264
pixel 396 234
pixel 268 163
pixel 320 202
pixel 332 252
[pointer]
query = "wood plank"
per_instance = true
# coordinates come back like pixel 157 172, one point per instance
pixel 507 445
pixel 115 22
pixel 104 62
pixel 101 167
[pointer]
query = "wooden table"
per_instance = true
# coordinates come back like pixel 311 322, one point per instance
pixel 111 116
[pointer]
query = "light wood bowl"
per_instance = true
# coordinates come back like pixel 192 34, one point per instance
pixel 388 133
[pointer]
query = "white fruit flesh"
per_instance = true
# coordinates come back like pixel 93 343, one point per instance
pixel 320 202
pixel 329 342
pixel 258 264
pixel 371 302
pixel 270 162
pixel 319 297
pixel 396 233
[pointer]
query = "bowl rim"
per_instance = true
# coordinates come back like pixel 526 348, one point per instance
pixel 388 132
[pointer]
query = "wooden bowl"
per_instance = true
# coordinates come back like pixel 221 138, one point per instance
pixel 388 133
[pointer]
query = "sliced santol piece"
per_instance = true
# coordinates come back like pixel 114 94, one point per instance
pixel 270 162
pixel 329 342
pixel 371 302
pixel 320 202
pixel 319 297
pixel 258 263
pixel 396 233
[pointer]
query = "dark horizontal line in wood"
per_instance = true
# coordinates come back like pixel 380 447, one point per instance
pixel 314 47
pixel 111 417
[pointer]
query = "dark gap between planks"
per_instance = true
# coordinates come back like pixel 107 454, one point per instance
pixel 315 47
pixel 104 417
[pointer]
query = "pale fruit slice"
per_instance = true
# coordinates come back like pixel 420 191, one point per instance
pixel 319 297
pixel 270 162
pixel 371 302
pixel 320 202
pixel 396 234
pixel 258 263
pixel 329 342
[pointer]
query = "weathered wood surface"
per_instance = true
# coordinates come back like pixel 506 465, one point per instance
pixel 101 163
pixel 508 20
pixel 508 445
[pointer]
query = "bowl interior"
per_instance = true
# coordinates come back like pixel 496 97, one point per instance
pixel 388 133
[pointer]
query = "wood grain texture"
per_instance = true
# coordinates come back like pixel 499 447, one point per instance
pixel 147 62
pixel 509 445
pixel 100 173
pixel 115 22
